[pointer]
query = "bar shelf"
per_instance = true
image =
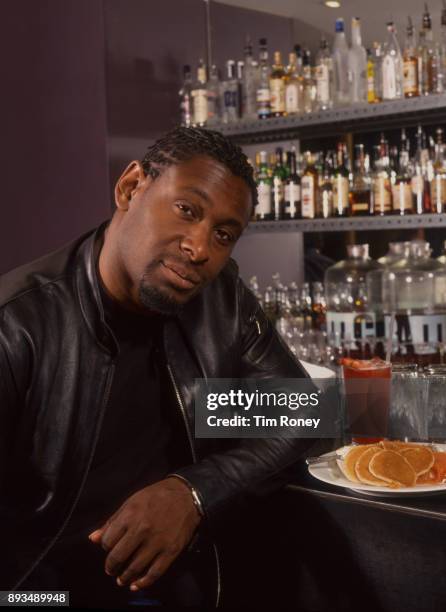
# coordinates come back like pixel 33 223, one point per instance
pixel 335 224
pixel 359 117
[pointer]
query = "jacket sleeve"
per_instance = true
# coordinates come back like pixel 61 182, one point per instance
pixel 9 406
pixel 252 465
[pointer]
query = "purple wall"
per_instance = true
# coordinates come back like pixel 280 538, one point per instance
pixel 87 85
pixel 53 137
pixel 146 49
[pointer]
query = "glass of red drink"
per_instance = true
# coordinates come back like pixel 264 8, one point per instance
pixel 367 384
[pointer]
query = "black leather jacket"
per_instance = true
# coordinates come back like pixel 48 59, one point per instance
pixel 57 362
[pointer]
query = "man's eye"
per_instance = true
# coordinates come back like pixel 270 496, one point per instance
pixel 224 237
pixel 185 209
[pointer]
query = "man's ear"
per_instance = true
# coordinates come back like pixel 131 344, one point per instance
pixel 128 184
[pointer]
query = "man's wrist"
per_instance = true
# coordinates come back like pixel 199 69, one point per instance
pixel 194 494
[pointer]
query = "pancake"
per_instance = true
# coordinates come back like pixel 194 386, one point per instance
pixel 362 467
pixel 428 478
pixel 396 445
pixel 393 468
pixel 420 458
pixel 350 459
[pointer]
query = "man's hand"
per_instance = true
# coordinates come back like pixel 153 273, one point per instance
pixel 148 532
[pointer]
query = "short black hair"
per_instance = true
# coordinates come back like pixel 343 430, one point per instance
pixel 183 143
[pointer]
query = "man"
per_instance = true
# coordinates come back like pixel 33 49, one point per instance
pixel 104 489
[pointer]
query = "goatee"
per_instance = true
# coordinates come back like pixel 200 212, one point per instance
pixel 155 300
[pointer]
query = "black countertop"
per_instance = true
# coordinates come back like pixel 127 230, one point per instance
pixel 429 505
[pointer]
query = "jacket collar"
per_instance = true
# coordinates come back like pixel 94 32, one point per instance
pixel 87 288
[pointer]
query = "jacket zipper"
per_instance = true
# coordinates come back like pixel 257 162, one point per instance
pixel 84 479
pixel 195 460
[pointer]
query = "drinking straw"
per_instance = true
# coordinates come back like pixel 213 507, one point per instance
pixel 390 337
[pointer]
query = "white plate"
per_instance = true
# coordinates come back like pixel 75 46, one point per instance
pixel 331 473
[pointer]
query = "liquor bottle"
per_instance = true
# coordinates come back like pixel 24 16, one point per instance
pixel 438 181
pixel 293 87
pixel 263 95
pixel 392 66
pixel 442 45
pixel 377 54
pixel 324 208
pixel 299 55
pixel 360 192
pixel 324 77
pixel 240 79
pixel 393 164
pixel 340 64
pixel 308 83
pixel 306 306
pixel 309 187
pixel 319 307
pixel 213 91
pixel 418 176
pixel 296 312
pixel 186 98
pixel 249 83
pixel 292 209
pixel 230 95
pixel 371 71
pixel 263 210
pixel 279 178
pixel 199 94
pixel 340 183
pixel 357 65
pixel 382 190
pixel 426 55
pixel 277 86
pixel 402 189
pixel 410 63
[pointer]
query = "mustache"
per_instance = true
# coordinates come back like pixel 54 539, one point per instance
pixel 184 264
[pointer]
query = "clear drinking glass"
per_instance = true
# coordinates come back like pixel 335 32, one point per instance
pixel 407 417
pixel 435 401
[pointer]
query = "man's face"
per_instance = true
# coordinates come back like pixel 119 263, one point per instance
pixel 179 231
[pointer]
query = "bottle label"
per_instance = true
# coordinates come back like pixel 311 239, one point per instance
pixel 360 206
pixel 277 196
pixel 326 203
pixel 402 197
pixel 292 199
pixel 322 84
pixel 410 77
pixel 340 195
pixel 308 199
pixel 277 87
pixel 438 193
pixel 417 184
pixel 263 102
pixel 389 78
pixel 200 105
pixel 292 98
pixel 382 195
pixel 263 208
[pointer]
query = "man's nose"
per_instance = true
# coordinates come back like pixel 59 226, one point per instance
pixel 196 244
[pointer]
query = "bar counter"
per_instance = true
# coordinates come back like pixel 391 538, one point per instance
pixel 320 548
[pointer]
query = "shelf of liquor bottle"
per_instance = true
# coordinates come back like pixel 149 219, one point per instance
pixel 344 224
pixel 422 109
